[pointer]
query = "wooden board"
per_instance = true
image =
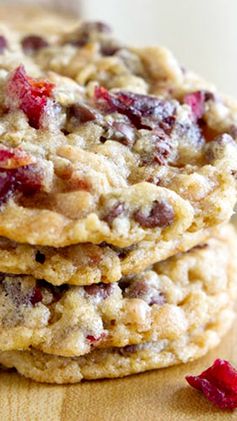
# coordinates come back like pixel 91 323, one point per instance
pixel 160 395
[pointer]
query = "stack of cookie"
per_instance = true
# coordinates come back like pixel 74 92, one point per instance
pixel 117 182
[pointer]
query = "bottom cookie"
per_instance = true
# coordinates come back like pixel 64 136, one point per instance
pixel 118 362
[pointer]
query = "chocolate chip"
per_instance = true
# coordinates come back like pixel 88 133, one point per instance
pixel 108 49
pixel 158 299
pixel 198 247
pixel 97 26
pixel 33 43
pixel 216 149
pixel 124 133
pixel 3 44
pixel 40 257
pixel 137 289
pixel 209 96
pixel 2 276
pixel 81 113
pixel 83 35
pixel 102 290
pixel 128 349
pixel 114 212
pixel 144 291
pixel 167 124
pixel 233 131
pixel 161 215
pixel 124 284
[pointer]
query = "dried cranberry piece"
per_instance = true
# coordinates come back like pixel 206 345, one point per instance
pixel 40 257
pixel 11 158
pixel 33 43
pixel 36 296
pixel 218 384
pixel 81 113
pixel 143 110
pixel 26 180
pixel 102 290
pixel 114 212
pixel 196 101
pixel 3 44
pixel 161 215
pixel 93 339
pixel 29 95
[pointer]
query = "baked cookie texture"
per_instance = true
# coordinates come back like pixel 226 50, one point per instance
pixel 118 362
pixel 117 181
pixel 99 162
pixel 178 297
pixel 86 264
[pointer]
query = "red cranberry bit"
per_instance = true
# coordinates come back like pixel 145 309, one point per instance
pixel 26 180
pixel 102 290
pixel 3 44
pixel 14 158
pixel 116 211
pixel 36 296
pixel 196 101
pixel 144 111
pixel 161 215
pixel 92 339
pixel 33 43
pixel 218 384
pixel 29 95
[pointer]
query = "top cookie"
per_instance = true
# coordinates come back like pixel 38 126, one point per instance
pixel 130 155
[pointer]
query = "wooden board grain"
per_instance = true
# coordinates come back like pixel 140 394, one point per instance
pixel 161 395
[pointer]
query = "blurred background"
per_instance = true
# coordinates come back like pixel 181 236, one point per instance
pixel 202 33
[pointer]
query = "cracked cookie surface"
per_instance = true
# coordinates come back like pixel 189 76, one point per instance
pixel 175 298
pixel 97 161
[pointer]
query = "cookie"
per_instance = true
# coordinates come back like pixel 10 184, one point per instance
pixel 86 264
pixel 119 362
pixel 175 298
pixel 89 164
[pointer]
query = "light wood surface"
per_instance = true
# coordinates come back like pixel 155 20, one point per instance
pixel 160 395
